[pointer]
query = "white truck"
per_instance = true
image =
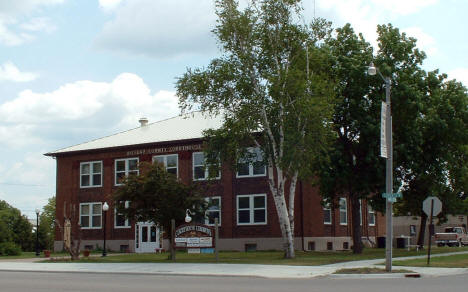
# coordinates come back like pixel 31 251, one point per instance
pixel 452 236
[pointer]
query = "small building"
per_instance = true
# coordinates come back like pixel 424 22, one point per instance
pixel 88 173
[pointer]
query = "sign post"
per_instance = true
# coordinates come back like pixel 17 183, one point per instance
pixel 432 207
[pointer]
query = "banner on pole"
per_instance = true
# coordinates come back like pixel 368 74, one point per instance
pixel 383 131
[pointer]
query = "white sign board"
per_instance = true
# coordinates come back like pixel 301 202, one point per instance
pixel 383 131
pixel 437 208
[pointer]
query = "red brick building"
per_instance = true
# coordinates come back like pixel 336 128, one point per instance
pixel 88 173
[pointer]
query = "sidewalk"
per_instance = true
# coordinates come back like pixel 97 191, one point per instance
pixel 247 270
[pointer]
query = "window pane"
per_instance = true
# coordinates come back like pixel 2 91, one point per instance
pixel 84 209
pixel 153 234
pixel 212 215
pixel 259 202
pixel 244 216
pixel 84 221
pixel 258 168
pixel 119 220
pixel 96 221
pixel 215 202
pixel 96 179
pixel 198 159
pixel 257 154
pixel 172 170
pixel 159 159
pixel 97 167
pixel 120 176
pixel 199 172
pixel 259 216
pixel 172 161
pixel 85 180
pixel 343 218
pixel 244 202
pixel 326 216
pixel 242 169
pixel 85 168
pixel 120 165
pixel 133 172
pixel 132 164
pixel 144 234
pixel 96 208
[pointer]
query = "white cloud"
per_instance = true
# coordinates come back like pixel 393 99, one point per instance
pixel 109 5
pixel 461 74
pixel 160 28
pixel 39 24
pixel 13 31
pixel 9 72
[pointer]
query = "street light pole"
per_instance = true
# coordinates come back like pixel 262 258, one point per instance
pixel 105 207
pixel 372 70
pixel 37 233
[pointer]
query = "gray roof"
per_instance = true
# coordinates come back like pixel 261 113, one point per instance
pixel 183 127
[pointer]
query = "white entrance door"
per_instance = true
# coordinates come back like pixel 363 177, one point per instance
pixel 146 237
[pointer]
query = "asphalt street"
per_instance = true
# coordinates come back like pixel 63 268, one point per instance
pixel 88 282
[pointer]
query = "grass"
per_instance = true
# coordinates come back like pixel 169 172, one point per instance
pixel 452 261
pixel 312 258
pixel 369 271
pixel 30 254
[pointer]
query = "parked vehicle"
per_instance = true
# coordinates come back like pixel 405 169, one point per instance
pixel 452 236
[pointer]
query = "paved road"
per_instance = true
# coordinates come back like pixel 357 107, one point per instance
pixel 85 282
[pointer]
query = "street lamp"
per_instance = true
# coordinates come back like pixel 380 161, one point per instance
pixel 388 154
pixel 37 232
pixel 188 219
pixel 105 207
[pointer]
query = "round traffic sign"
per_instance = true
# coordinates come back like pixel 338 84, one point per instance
pixel 437 206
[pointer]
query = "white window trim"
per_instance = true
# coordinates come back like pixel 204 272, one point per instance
pixel 91 185
pixel 251 167
pixel 165 161
pixel 220 206
pixel 90 215
pixel 345 211
pixel 126 167
pixel 206 168
pixel 371 211
pixel 327 208
pixel 251 209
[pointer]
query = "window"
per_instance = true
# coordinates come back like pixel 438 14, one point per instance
pixel 119 219
pixel 90 215
pixel 90 174
pixel 213 211
pixel 251 209
pixel 327 216
pixel 253 165
pixel 125 167
pixel 170 162
pixel 371 215
pixel 201 171
pixel 343 212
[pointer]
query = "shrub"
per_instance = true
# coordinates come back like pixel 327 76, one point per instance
pixel 9 249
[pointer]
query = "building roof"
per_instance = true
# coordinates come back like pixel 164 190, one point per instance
pixel 183 127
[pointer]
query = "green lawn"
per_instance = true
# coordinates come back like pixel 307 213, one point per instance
pixel 369 271
pixel 30 254
pixel 259 257
pixel 453 261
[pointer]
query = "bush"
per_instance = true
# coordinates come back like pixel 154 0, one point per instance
pixel 9 249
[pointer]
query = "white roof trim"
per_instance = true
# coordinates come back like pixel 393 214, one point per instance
pixel 182 127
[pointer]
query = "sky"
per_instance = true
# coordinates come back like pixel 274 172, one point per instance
pixel 76 70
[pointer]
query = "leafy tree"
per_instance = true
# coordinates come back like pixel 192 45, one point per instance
pixel 272 87
pixel 15 227
pixel 157 196
pixel 47 225
pixel 355 168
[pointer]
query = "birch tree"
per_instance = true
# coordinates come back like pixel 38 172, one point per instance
pixel 273 88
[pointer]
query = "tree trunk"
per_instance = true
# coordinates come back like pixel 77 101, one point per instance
pixel 356 224
pixel 422 230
